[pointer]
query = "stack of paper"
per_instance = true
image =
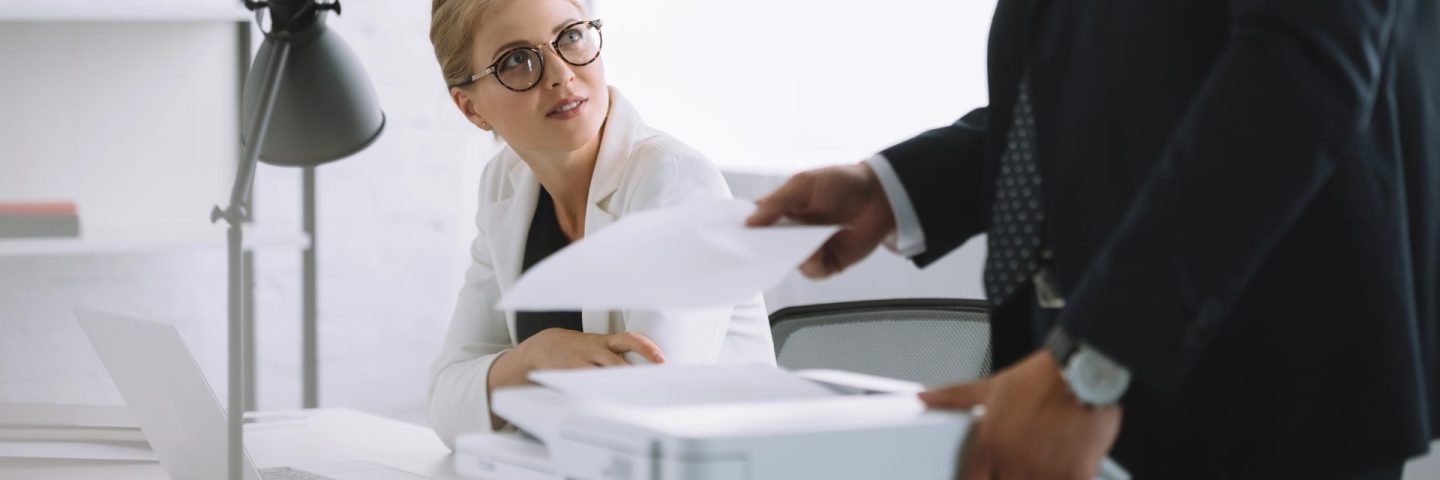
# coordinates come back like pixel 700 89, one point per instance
pixel 673 386
pixel 80 432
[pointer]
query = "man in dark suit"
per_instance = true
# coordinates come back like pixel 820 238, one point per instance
pixel 1216 220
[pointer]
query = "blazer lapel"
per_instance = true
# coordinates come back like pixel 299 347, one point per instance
pixel 616 145
pixel 509 218
pixel 508 225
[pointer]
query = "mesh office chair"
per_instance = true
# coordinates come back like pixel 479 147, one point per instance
pixel 934 342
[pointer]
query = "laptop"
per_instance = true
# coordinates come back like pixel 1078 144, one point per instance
pixel 176 410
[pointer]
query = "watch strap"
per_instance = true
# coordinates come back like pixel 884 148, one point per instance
pixel 1061 346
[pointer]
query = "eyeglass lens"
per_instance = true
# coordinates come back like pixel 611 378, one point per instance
pixel 521 68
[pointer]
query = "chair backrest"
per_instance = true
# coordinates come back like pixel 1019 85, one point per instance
pixel 934 342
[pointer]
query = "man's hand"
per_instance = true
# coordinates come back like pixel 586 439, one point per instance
pixel 1033 427
pixel 849 196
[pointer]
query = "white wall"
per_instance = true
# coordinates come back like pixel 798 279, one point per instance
pixel 780 85
pixel 133 130
pixel 769 88
pixel 394 221
pixel 124 119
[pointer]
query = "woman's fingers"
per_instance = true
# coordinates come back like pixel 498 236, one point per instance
pixel 567 349
pixel 635 342
pixel 608 359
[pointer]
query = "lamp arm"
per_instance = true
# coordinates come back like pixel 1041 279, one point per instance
pixel 235 216
pixel 245 170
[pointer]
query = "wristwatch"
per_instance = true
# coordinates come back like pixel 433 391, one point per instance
pixel 1096 380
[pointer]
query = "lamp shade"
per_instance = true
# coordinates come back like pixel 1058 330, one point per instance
pixel 325 107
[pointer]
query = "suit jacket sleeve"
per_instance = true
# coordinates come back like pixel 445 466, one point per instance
pixel 1284 102
pixel 941 172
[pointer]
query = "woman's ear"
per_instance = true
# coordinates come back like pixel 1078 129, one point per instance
pixel 466 104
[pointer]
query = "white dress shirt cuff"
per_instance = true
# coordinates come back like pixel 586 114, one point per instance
pixel 908 240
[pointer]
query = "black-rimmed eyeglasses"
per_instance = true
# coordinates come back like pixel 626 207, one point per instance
pixel 521 68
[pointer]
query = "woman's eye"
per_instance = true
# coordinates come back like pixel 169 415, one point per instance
pixel 571 36
pixel 515 59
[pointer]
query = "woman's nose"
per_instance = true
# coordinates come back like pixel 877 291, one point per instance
pixel 558 71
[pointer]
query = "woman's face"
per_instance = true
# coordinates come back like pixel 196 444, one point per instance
pixel 565 110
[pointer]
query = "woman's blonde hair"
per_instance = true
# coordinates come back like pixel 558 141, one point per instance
pixel 452 31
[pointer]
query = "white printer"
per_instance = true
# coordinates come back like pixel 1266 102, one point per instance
pixel 716 422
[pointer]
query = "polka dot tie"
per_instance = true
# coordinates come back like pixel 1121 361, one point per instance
pixel 1015 215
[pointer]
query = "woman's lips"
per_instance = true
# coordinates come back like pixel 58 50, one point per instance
pixel 567 108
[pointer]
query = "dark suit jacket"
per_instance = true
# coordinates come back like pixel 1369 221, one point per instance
pixel 1243 200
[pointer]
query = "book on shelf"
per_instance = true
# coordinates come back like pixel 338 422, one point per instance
pixel 24 219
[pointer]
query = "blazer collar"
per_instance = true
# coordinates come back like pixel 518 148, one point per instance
pixel 510 214
pixel 621 129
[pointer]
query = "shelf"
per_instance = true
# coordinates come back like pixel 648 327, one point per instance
pixel 255 239
pixel 106 12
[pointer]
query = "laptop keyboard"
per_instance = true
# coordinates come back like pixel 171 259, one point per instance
pixel 287 473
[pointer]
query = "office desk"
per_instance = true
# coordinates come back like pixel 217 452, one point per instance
pixel 332 435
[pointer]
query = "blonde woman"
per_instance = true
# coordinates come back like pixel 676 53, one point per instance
pixel 576 158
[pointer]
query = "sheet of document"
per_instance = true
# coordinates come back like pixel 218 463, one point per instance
pixel 680 385
pixel 694 255
pixel 43 415
pixel 131 451
pixel 71 435
pixel 35 422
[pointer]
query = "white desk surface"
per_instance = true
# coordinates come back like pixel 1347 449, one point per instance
pixel 332 435
pixel 339 434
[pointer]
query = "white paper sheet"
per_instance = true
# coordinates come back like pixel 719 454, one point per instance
pixel 131 451
pixel 71 435
pixel 45 415
pixel 675 385
pixel 690 256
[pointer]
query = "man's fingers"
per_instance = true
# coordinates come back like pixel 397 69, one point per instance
pixel 956 397
pixel 849 247
pixel 635 342
pixel 827 260
pixel 791 197
pixel 975 459
pixel 817 266
pixel 767 212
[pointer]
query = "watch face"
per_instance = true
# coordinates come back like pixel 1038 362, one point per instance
pixel 1096 380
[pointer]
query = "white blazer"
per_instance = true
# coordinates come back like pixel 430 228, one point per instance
pixel 637 168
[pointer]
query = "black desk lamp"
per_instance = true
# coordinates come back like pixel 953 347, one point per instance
pixel 307 101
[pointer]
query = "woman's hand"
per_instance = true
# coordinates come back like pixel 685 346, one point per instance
pixel 558 348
